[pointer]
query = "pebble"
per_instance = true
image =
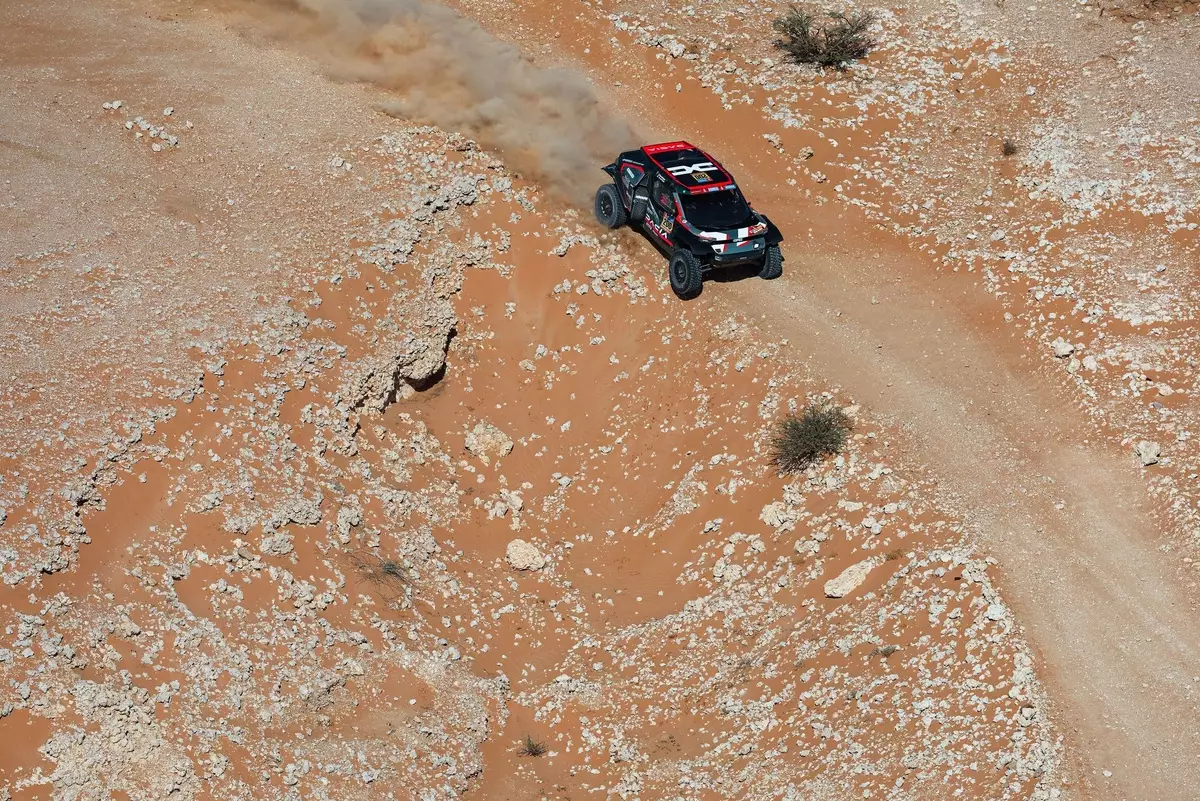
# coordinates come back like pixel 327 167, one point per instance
pixel 488 442
pixel 849 579
pixel 1148 452
pixel 522 555
pixel 1062 349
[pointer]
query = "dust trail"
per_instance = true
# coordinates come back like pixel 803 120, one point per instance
pixel 447 71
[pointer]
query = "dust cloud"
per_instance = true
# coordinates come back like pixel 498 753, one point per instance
pixel 447 71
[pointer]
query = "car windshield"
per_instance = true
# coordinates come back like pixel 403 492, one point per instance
pixel 715 210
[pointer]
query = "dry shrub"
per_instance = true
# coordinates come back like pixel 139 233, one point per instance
pixel 833 41
pixel 803 440
pixel 386 578
pixel 532 747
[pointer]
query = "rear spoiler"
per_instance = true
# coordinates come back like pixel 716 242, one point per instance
pixel 611 169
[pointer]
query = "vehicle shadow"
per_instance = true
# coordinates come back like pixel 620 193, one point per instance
pixel 725 275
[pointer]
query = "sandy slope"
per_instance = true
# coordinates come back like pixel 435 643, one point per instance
pixel 923 349
pixel 1069 520
pixel 272 564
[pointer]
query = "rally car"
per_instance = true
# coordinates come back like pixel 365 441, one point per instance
pixel 682 198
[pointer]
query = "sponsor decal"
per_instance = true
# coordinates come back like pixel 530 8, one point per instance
pixel 702 178
pixel 666 147
pixel 690 169
pixel 661 225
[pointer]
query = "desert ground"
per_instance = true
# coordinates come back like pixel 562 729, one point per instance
pixel 344 455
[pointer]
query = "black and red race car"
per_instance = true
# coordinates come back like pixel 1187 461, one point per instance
pixel 690 206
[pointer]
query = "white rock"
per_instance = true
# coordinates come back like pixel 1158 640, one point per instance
pixel 168 111
pixel 488 442
pixel 777 516
pixel 276 545
pixel 522 555
pixel 1147 452
pixel 849 579
pixel 1062 349
pixel 513 500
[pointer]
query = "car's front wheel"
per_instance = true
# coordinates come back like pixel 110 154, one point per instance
pixel 772 266
pixel 610 210
pixel 684 270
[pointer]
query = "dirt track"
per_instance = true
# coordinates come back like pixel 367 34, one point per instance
pixel 926 350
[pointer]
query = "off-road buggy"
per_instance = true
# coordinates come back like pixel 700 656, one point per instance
pixel 690 207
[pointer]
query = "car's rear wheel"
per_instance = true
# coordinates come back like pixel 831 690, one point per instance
pixel 684 270
pixel 772 266
pixel 610 210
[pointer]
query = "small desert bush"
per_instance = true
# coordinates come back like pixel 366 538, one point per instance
pixel 803 440
pixel 532 747
pixel 377 571
pixel 387 578
pixel 1009 148
pixel 833 41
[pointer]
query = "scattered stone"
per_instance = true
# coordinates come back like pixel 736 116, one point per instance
pixel 1148 453
pixel 279 544
pixel 996 612
pixel 295 509
pixel 1062 349
pixel 849 579
pixel 778 516
pixel 488 442
pixel 522 555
